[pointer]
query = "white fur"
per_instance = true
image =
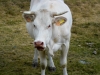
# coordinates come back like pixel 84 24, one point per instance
pixel 48 35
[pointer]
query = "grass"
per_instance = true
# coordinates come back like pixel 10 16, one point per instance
pixel 16 52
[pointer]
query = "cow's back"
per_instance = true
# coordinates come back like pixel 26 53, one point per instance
pixel 51 5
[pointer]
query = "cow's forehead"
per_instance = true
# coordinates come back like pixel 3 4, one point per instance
pixel 43 13
pixel 43 16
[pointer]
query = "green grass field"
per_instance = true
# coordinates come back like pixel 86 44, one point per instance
pixel 16 50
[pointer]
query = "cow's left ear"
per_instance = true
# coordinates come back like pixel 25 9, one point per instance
pixel 59 21
pixel 28 17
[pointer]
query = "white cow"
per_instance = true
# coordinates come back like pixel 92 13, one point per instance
pixel 49 23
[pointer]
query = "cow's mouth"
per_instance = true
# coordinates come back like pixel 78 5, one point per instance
pixel 39 48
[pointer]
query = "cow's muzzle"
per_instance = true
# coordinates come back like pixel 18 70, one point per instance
pixel 39 45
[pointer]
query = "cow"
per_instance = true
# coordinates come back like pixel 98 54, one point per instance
pixel 49 23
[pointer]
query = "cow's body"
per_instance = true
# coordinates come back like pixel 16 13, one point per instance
pixel 50 37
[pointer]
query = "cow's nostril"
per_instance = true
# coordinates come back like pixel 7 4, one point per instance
pixel 35 43
pixel 41 43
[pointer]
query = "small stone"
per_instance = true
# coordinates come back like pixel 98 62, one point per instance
pixel 95 52
pixel 83 62
pixel 79 45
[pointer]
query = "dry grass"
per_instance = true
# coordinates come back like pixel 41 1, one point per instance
pixel 16 52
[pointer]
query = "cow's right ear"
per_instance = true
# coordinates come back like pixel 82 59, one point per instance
pixel 28 17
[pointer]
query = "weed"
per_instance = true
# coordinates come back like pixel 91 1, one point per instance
pixel 16 52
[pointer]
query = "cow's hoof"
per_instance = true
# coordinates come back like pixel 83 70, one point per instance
pixel 52 69
pixel 35 64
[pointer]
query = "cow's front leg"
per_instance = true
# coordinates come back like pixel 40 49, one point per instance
pixel 51 66
pixel 43 61
pixel 63 59
pixel 35 58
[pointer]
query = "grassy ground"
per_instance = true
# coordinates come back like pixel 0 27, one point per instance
pixel 16 52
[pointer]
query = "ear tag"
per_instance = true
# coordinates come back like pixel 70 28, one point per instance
pixel 60 22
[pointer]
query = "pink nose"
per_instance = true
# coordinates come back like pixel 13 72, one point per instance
pixel 39 45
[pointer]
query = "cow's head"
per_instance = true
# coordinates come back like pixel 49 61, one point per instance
pixel 42 22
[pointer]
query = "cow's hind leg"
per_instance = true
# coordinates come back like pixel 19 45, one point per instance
pixel 35 59
pixel 43 62
pixel 63 59
pixel 51 66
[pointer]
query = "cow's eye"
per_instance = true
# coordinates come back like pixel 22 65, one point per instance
pixel 34 25
pixel 49 26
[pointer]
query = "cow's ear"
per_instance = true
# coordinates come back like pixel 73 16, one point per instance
pixel 28 17
pixel 59 21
